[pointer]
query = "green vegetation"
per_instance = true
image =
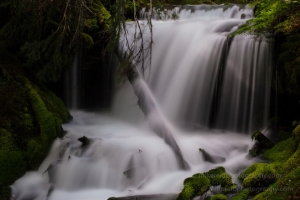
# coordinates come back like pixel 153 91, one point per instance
pixel 195 185
pixel 279 179
pixel 31 119
pixel 282 19
pixel 198 184
pixel 259 175
pixel 218 176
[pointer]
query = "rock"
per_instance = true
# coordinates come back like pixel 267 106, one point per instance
pixel 84 140
pixel 262 143
pixel 198 184
pixel 258 177
pixel 219 176
pixel 211 158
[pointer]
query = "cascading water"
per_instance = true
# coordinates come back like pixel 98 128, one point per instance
pixel 198 77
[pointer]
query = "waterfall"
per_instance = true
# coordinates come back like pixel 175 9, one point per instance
pixel 203 89
pixel 201 76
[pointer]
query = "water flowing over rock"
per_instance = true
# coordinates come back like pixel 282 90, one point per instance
pixel 199 77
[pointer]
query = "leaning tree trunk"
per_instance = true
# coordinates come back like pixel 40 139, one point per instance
pixel 156 121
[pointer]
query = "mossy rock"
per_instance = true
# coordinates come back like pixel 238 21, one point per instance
pixel 195 185
pixel 218 176
pixel 219 197
pixel 260 176
pixel 285 183
pixel 283 188
pixel 31 118
pixel 242 195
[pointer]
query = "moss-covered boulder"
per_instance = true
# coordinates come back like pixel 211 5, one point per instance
pixel 195 185
pixel 198 184
pixel 31 118
pixel 285 182
pixel 219 176
pixel 258 177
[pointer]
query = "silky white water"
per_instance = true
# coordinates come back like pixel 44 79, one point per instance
pixel 206 91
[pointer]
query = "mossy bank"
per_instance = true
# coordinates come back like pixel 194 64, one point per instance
pixel 278 179
pixel 31 118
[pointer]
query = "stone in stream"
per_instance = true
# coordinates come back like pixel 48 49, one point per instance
pixel 84 140
pixel 211 158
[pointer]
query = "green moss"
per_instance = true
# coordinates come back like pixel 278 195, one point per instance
pixel 259 175
pixel 43 116
pixel 293 162
pixel 195 185
pixel 255 134
pixel 281 151
pixel 279 179
pixel 102 15
pixel 218 176
pixel 283 188
pixel 54 104
pixel 242 195
pixel 219 197
pixel 31 118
